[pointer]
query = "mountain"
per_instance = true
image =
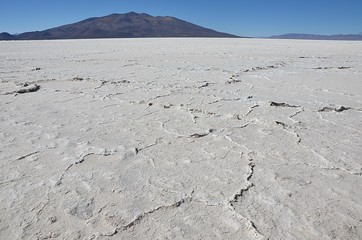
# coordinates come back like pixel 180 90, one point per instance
pixel 6 36
pixel 319 37
pixel 129 25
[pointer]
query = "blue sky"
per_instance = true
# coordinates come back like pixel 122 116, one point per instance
pixel 240 17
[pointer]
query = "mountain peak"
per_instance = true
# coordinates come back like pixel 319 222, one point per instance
pixel 134 14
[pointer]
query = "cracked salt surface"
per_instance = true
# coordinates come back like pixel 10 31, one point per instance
pixel 180 139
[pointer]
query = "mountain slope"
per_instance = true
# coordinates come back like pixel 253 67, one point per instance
pixel 129 25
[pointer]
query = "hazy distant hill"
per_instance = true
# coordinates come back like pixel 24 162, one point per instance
pixel 6 36
pixel 319 37
pixel 129 25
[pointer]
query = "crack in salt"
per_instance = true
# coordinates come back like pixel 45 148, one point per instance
pixel 282 104
pixel 289 129
pixel 251 109
pixel 27 155
pixel 238 194
pixel 139 218
pixel 82 159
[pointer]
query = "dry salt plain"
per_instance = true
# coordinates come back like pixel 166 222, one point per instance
pixel 180 139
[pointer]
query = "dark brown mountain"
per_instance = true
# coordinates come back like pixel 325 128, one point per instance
pixel 129 25
pixel 319 37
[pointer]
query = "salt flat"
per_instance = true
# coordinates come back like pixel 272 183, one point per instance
pixel 180 139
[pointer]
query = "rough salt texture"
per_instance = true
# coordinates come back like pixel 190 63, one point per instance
pixel 180 139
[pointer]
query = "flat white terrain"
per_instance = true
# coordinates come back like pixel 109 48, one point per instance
pixel 181 139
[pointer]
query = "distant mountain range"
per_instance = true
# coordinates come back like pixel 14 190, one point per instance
pixel 319 37
pixel 129 25
pixel 142 25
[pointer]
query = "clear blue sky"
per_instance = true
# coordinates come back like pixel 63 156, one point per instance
pixel 240 17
